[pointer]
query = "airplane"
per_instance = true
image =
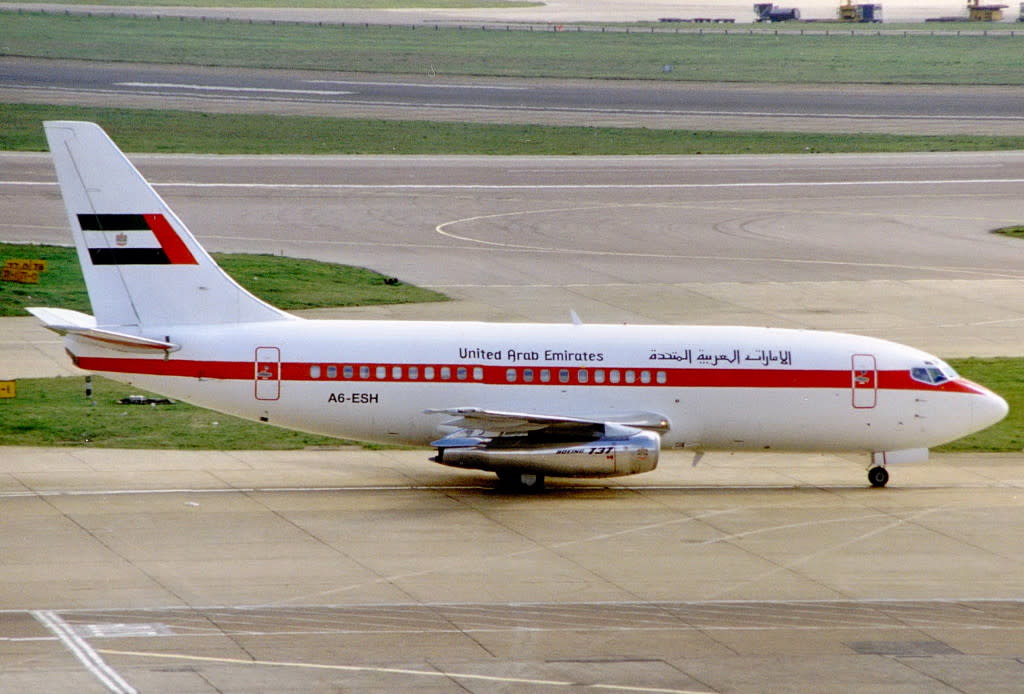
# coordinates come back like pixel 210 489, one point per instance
pixel 525 401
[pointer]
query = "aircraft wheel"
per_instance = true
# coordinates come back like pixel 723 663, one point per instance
pixel 516 480
pixel 878 476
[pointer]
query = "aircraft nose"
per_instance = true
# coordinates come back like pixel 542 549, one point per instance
pixel 988 409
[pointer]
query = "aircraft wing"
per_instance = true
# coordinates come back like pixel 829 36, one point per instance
pixel 475 422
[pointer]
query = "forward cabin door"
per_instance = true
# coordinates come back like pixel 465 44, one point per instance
pixel 268 373
pixel 865 381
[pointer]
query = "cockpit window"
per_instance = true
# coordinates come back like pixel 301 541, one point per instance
pixel 932 374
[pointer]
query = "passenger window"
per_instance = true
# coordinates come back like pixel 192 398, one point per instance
pixel 614 376
pixel 461 373
pixel 428 373
pixel 645 376
pixel 599 376
pixel 563 375
pixel 396 372
pixel 382 372
pixel 582 376
pixel 332 371
pixel 414 373
pixel 510 375
pixel 348 371
pixel 545 375
pixel 446 373
pixel 314 371
pixel 364 371
pixel 528 375
pixel 662 377
pixel 478 373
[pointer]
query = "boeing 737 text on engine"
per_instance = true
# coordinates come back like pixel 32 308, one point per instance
pixel 522 400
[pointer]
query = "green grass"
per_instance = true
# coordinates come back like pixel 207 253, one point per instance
pixel 183 131
pixel 1016 232
pixel 61 286
pixel 55 412
pixel 298 283
pixel 734 57
pixel 1006 377
pixel 288 283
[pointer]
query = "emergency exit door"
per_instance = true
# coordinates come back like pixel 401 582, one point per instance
pixel 267 375
pixel 865 381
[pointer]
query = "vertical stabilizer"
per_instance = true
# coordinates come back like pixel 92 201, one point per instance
pixel 142 266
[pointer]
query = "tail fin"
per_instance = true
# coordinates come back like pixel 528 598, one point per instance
pixel 142 266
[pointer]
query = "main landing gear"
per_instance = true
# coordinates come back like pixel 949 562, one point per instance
pixel 518 481
pixel 878 476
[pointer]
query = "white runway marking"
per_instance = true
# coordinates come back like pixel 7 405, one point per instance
pixel 442 229
pixel 559 186
pixel 215 88
pixel 592 186
pixel 302 96
pixel 403 671
pixel 84 652
pixel 421 84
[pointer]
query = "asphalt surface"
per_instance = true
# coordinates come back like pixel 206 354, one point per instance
pixel 360 571
pixel 657 103
pixel 897 246
pixel 379 571
pixel 363 571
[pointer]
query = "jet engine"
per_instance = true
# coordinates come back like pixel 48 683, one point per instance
pixel 619 451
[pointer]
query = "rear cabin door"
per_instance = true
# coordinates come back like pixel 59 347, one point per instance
pixel 268 373
pixel 864 381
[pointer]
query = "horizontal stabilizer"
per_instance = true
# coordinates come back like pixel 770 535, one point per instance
pixel 67 322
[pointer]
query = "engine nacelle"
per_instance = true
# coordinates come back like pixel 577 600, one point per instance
pixel 604 457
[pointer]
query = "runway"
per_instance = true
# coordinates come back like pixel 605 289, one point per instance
pixel 896 246
pixel 352 570
pixel 657 103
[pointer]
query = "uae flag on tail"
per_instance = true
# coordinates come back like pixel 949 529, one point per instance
pixel 133 239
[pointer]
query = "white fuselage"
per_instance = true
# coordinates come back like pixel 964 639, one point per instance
pixel 718 387
pixel 523 401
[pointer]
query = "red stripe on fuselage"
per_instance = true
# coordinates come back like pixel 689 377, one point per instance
pixel 498 375
pixel 187 368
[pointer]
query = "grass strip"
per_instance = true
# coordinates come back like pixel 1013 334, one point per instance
pixel 412 49
pixel 1006 377
pixel 55 412
pixel 190 132
pixel 288 283
pixel 1014 232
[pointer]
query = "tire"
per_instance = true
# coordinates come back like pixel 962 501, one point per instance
pixel 878 477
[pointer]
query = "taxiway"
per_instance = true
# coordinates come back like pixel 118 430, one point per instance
pixel 352 570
